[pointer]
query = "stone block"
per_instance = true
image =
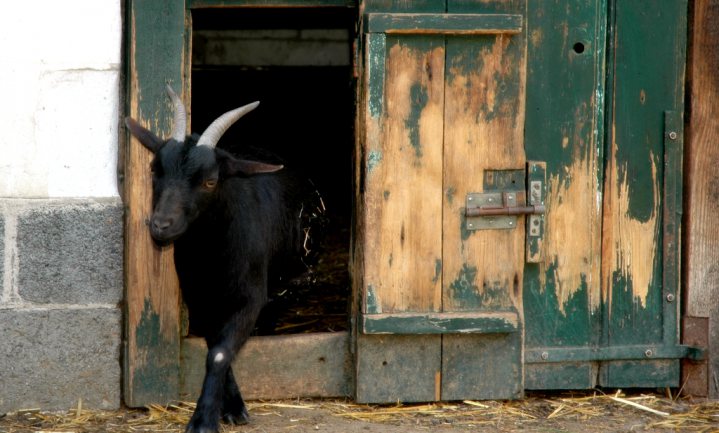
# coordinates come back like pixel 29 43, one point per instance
pixel 51 358
pixel 71 253
pixel 2 257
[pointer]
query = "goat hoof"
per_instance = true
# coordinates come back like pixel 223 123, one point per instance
pixel 200 425
pixel 240 417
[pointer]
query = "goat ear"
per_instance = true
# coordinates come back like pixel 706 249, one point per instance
pixel 151 141
pixel 231 166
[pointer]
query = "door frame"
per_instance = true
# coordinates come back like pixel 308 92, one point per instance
pixel 159 364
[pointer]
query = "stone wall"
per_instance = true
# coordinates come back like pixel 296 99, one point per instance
pixel 61 218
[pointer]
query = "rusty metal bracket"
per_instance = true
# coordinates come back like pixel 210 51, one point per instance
pixel 500 209
pixel 537 191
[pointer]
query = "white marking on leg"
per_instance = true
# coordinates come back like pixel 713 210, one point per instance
pixel 219 357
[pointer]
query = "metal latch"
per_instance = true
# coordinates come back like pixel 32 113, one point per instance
pixel 508 205
pixel 505 199
pixel 498 210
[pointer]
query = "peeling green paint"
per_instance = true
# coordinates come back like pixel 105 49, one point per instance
pixel 158 373
pixel 158 58
pixel 372 306
pixel 449 193
pixel 377 46
pixel 464 288
pixel 374 157
pixel 575 324
pixel 427 324
pixel 633 320
pixel 497 94
pixel 437 270
pixel 418 100
pixel 493 294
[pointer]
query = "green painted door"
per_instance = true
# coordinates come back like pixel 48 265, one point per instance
pixel 442 116
pixel 605 97
pixel 585 100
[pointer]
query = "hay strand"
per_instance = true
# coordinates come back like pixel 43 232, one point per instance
pixel 613 412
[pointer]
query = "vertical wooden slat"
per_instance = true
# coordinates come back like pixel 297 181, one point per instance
pixel 701 241
pixel 398 225
pixel 633 244
pixel 482 270
pixel 565 91
pixel 403 180
pixel 152 347
pixel 484 118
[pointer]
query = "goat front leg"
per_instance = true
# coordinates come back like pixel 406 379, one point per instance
pixel 234 410
pixel 219 383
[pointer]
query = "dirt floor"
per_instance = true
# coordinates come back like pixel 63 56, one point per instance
pixel 584 412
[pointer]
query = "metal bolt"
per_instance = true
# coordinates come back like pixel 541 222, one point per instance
pixel 469 198
pixel 648 353
pixel 490 199
pixel 673 135
pixel 670 297
pixel 470 225
pixel 511 223
pixel 545 355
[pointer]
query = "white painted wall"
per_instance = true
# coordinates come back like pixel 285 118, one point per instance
pixel 59 98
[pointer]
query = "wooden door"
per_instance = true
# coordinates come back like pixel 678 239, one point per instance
pixel 605 97
pixel 441 116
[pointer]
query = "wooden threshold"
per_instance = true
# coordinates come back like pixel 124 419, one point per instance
pixel 282 366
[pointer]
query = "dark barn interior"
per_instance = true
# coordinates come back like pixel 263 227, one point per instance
pixel 298 63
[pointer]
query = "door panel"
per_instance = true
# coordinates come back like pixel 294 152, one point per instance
pixel 564 127
pixel 483 133
pixel 404 175
pixel 597 309
pixel 648 84
pixel 442 117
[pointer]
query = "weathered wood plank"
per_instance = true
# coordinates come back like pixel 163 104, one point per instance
pixel 201 4
pixel 413 6
pixel 484 124
pixel 152 353
pixel 482 367
pixel 633 203
pixel 634 243
pixel 393 368
pixel 631 352
pixel 283 366
pixel 701 241
pixel 564 128
pixel 441 323
pixel 403 180
pixel 483 150
pixel 443 24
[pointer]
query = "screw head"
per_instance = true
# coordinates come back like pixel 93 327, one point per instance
pixel 545 355
pixel 673 135
pixel 670 297
pixel 648 353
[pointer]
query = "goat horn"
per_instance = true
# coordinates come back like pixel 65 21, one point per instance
pixel 180 120
pixel 214 132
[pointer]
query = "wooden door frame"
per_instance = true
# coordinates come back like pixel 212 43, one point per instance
pixel 159 364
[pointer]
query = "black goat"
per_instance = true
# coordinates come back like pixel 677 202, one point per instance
pixel 231 221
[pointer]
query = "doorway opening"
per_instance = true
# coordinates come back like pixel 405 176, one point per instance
pixel 298 63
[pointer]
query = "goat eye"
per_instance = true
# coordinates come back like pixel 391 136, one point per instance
pixel 210 183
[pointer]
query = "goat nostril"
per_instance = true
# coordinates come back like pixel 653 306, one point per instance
pixel 161 223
